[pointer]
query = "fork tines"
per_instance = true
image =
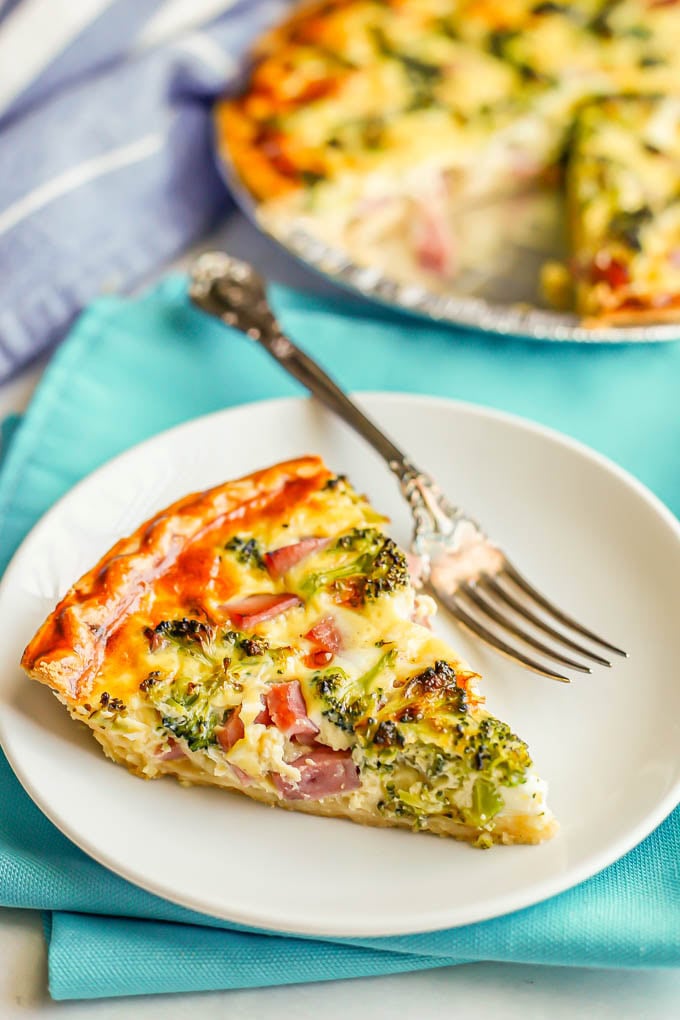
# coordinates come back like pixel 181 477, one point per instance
pixel 506 604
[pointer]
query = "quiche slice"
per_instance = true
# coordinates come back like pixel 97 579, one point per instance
pixel 623 187
pixel 265 636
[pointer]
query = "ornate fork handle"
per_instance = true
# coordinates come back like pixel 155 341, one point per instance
pixel 306 371
pixel 233 291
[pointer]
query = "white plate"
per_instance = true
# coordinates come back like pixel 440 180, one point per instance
pixel 586 532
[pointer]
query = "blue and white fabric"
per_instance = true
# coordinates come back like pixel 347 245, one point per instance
pixel 106 163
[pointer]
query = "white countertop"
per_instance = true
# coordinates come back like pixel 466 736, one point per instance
pixel 479 991
pixel 511 991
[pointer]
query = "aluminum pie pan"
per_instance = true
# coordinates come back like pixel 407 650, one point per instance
pixel 522 320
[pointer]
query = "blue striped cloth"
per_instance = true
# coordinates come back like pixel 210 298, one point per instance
pixel 105 147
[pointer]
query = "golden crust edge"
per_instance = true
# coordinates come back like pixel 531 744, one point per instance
pixel 234 132
pixel 235 129
pixel 633 317
pixel 66 667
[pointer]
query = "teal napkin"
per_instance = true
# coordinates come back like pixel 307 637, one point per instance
pixel 130 368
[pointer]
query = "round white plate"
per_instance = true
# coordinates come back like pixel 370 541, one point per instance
pixel 582 529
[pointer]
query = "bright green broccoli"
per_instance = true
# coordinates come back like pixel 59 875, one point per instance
pixel 209 661
pixel 346 701
pixel 186 711
pixel 365 562
pixel 427 747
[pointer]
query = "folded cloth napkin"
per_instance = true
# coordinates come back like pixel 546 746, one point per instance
pixel 130 368
pixel 106 147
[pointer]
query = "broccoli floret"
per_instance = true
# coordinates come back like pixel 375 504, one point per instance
pixel 377 567
pixel 347 701
pixel 436 686
pixel 246 551
pixel 341 697
pixel 186 711
pixel 184 630
pixel 495 750
pixel 192 635
pixel 195 637
pixel 387 734
pixel 486 803
pixel 249 646
pixel 208 661
pixel 389 571
pixel 198 732
pixel 208 669
pixel 422 801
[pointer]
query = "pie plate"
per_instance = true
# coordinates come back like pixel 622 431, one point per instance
pixel 586 532
pixel 497 292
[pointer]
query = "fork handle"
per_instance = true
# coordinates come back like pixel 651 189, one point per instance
pixel 303 368
pixel 268 333
pixel 428 505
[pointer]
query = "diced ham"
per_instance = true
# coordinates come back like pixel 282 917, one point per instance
pixel 280 561
pixel 317 659
pixel 176 751
pixel 230 732
pixel 233 729
pixel 243 777
pixel 254 609
pixel 264 717
pixel 431 239
pixel 288 710
pixel 326 635
pixel 349 591
pixel 611 271
pixel 323 773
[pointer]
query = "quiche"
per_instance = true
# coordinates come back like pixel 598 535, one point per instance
pixel 374 127
pixel 265 636
pixel 623 189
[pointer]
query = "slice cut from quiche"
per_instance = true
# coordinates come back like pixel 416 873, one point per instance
pixel 623 189
pixel 265 636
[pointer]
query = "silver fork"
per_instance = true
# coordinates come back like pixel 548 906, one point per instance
pixel 469 574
